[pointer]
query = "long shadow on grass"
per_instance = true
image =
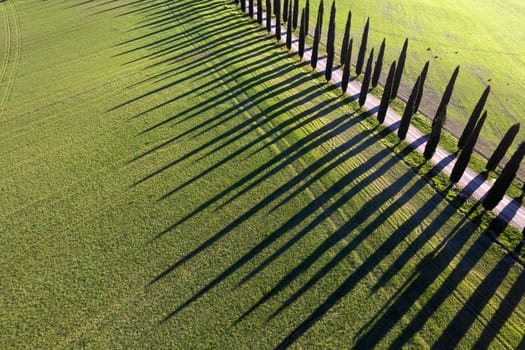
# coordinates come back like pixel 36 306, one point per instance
pixel 224 96
pixel 464 319
pixel 281 129
pixel 244 47
pixel 379 254
pixel 287 160
pixel 398 305
pixel 284 159
pixel 307 211
pixel 480 298
pixel 247 55
pixel 366 211
pixel 427 272
pixel 185 47
pixel 433 227
pixel 237 92
pixel 244 105
pixel 506 308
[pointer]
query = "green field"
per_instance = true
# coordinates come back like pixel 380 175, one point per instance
pixel 172 178
pixel 486 38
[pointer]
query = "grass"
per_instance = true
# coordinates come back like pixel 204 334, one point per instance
pixel 167 168
pixel 464 33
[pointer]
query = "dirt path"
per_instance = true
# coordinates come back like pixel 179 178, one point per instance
pixel 471 182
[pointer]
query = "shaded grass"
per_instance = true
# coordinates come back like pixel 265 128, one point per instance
pixel 156 208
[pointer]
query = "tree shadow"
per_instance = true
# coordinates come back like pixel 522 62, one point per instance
pixel 428 270
pixel 483 294
pixel 304 213
pixel 266 201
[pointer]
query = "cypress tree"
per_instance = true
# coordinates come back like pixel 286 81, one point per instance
pixel 366 80
pixel 379 65
pixel 466 152
pixel 448 91
pixel 347 65
pixel 409 111
pixel 306 18
pixel 473 118
pixel 268 16
pixel 302 34
pixel 250 8
pixel 502 148
pixel 385 99
pixel 439 119
pixel 259 12
pixel 243 5
pixel 502 183
pixel 317 35
pixel 399 69
pixel 362 48
pixel 289 29
pixel 346 37
pixel 423 77
pixel 330 44
pixel 285 11
pixel 295 13
pixel 278 19
pixel 435 134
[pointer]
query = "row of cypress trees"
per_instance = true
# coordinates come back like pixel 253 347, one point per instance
pixel 372 73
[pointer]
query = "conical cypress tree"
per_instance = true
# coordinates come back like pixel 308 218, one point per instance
pixel 347 66
pixel 317 35
pixel 473 118
pixel 385 99
pixel 366 80
pixel 447 94
pixel 502 148
pixel 330 44
pixel 346 37
pixel 285 11
pixel 306 18
pixel 268 16
pixel 278 19
pixel 435 134
pixel 362 49
pixel 409 111
pixel 243 5
pixel 379 65
pixel 259 12
pixel 439 119
pixel 302 34
pixel 466 153
pixel 502 183
pixel 289 29
pixel 295 13
pixel 250 8
pixel 423 77
pixel 399 69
